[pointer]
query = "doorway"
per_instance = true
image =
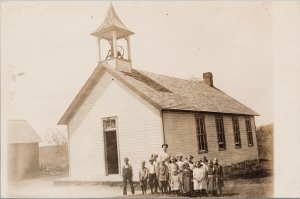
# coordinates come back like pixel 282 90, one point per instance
pixel 111 147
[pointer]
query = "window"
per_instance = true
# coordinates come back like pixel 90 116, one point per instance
pixel 220 132
pixel 201 133
pixel 109 124
pixel 249 131
pixel 236 131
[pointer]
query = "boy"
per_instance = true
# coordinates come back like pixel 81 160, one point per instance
pixel 156 164
pixel 219 177
pixel 152 176
pixel 180 166
pixel 127 175
pixel 211 181
pixel 143 176
pixel 162 172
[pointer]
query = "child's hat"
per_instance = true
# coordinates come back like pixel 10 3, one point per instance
pixel 179 155
pixel 126 158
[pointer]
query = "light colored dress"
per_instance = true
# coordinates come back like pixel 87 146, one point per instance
pixel 175 182
pixel 198 178
pixel 205 168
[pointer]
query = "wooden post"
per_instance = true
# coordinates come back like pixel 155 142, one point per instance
pixel 99 48
pixel 128 47
pixel 114 43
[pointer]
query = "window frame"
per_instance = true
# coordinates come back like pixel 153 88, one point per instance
pixel 236 131
pixel 249 131
pixel 200 133
pixel 220 133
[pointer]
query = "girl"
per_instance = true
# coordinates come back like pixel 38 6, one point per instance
pixel 187 176
pixel 198 178
pixel 175 183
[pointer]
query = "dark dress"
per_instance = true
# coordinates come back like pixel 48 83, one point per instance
pixel 187 176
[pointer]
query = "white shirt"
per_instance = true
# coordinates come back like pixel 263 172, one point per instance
pixel 151 168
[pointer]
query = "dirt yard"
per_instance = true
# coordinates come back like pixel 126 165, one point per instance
pixel 44 187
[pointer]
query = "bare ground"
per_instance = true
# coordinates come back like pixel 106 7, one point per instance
pixel 44 187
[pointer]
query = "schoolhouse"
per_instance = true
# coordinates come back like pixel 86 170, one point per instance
pixel 122 111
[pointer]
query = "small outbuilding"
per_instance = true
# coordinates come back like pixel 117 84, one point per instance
pixel 23 150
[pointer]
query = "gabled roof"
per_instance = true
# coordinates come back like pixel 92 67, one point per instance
pixel 164 93
pixel 112 21
pixel 20 131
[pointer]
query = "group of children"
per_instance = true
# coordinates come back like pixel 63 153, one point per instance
pixel 175 176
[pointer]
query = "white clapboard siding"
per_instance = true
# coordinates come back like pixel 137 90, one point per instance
pixel 139 128
pixel 180 134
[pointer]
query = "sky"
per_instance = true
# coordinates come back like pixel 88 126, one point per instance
pixel 50 46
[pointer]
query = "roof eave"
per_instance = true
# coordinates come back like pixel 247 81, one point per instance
pixel 98 32
pixel 193 110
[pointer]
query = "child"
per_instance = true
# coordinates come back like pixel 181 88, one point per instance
pixel 152 176
pixel 187 176
pixel 172 168
pixel 127 175
pixel 180 164
pixel 198 178
pixel 211 178
pixel 189 160
pixel 219 177
pixel 175 183
pixel 205 168
pixel 162 172
pixel 143 176
pixel 156 164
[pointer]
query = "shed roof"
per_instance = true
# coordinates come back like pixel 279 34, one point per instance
pixel 20 131
pixel 165 93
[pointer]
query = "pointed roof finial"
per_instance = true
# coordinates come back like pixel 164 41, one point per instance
pixel 112 21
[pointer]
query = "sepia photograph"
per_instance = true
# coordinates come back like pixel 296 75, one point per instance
pixel 137 99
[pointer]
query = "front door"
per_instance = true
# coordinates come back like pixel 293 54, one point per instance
pixel 111 152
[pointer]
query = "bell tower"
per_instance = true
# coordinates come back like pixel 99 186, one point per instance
pixel 112 30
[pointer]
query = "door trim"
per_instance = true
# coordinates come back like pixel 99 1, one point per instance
pixel 104 142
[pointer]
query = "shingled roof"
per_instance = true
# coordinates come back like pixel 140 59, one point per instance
pixel 112 21
pixel 20 131
pixel 165 93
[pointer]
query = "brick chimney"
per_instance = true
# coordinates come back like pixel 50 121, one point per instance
pixel 208 79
